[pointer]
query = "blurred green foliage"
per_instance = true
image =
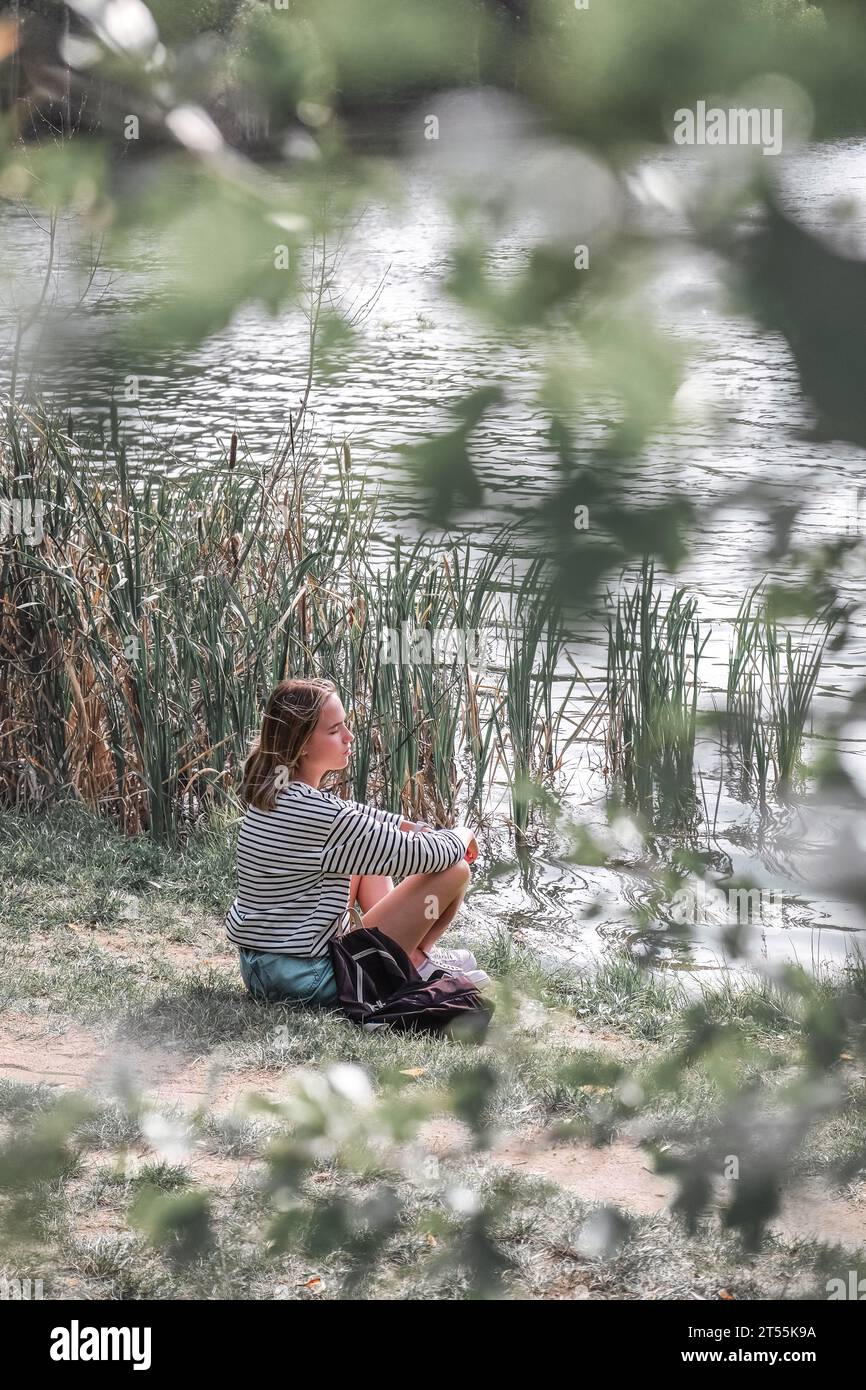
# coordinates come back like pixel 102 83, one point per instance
pixel 261 127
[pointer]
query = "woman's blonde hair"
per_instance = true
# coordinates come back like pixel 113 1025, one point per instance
pixel 291 715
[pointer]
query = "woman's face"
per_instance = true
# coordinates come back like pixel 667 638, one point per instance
pixel 330 742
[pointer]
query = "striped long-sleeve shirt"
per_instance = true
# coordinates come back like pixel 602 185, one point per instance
pixel 295 864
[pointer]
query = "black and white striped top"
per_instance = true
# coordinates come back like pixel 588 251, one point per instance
pixel 295 864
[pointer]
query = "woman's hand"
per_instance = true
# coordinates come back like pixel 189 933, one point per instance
pixel 469 841
pixel 463 831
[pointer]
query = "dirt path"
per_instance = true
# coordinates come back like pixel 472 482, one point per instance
pixel 34 1051
pixel 621 1174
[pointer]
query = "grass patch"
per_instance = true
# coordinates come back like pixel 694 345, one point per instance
pixel 166 981
pixel 535 1238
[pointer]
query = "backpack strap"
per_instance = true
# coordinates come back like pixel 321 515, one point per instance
pixel 357 920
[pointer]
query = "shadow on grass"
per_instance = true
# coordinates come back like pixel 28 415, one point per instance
pixel 201 1011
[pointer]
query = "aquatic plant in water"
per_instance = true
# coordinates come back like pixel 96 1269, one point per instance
pixel 652 693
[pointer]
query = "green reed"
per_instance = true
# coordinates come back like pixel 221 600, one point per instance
pixel 749 718
pixel 770 687
pixel 529 725
pixel 142 636
pixel 652 693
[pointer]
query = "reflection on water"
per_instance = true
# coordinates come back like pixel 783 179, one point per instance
pixel 740 420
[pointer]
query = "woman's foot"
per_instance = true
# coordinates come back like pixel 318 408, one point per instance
pixel 457 962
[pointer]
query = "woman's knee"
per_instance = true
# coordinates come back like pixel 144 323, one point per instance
pixel 452 880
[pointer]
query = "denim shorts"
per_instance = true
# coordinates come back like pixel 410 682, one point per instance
pixel 282 979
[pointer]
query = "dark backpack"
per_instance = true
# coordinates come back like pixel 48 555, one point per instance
pixel 378 985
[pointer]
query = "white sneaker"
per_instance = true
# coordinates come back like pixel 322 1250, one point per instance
pixel 455 962
pixel 479 978
pixel 458 962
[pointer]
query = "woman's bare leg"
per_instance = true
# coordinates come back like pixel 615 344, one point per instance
pixel 438 927
pixel 418 910
pixel 367 889
pixel 372 889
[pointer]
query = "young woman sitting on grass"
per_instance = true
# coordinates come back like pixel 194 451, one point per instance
pixel 305 856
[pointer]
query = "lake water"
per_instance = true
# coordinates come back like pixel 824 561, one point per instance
pixel 741 420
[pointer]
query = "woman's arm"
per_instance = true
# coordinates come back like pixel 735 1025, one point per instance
pixel 471 844
pixel 387 817
pixel 358 843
